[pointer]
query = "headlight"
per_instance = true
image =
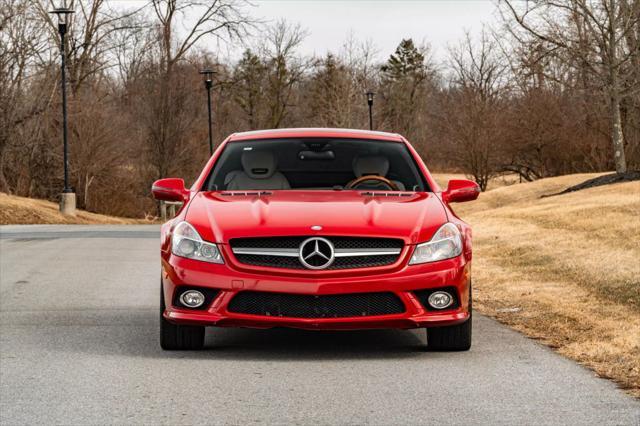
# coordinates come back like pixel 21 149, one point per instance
pixel 445 244
pixel 186 242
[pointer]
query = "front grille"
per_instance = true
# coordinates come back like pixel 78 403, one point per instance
pixel 260 251
pixel 338 242
pixel 307 306
pixel 338 263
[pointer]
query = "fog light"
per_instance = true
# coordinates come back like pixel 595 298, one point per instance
pixel 192 298
pixel 440 300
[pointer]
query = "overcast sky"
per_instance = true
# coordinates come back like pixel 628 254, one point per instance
pixel 384 22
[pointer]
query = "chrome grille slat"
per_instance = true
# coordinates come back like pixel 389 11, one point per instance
pixel 367 252
pixel 295 253
pixel 266 252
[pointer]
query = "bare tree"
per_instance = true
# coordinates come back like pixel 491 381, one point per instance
pixel 474 106
pixel 133 47
pixel 595 34
pixel 221 20
pixel 89 36
pixel 285 68
pixel 21 43
pixel 359 59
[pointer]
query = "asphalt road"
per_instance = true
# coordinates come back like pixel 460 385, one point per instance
pixel 79 345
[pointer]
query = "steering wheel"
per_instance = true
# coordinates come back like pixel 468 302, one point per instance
pixel 354 183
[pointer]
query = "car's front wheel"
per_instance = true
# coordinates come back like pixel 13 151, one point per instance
pixel 178 337
pixel 453 337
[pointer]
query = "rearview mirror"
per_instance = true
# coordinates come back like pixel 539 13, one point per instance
pixel 316 155
pixel 460 190
pixel 169 189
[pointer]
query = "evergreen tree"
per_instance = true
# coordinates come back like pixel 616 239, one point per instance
pixel 404 88
pixel 330 89
pixel 408 62
pixel 249 82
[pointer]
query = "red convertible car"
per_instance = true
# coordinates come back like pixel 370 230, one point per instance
pixel 321 229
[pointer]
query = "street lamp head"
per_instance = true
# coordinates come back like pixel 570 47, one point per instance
pixel 62 13
pixel 207 74
pixel 370 97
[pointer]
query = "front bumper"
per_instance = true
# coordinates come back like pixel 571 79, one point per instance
pixel 402 281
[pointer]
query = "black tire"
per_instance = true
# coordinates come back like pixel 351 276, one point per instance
pixel 451 338
pixel 178 337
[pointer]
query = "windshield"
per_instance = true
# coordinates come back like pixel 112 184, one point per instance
pixel 315 164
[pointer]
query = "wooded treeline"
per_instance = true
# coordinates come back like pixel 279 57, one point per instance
pixel 553 89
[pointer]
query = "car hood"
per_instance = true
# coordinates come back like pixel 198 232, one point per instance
pixel 221 216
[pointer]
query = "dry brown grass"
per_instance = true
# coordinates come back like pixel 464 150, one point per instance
pixel 497 182
pixel 564 269
pixel 19 210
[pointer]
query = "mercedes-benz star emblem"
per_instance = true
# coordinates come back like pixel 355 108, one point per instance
pixel 316 253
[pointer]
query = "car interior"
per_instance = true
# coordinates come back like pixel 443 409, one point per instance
pixel 315 164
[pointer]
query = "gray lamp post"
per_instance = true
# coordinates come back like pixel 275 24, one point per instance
pixel 208 84
pixel 370 103
pixel 68 198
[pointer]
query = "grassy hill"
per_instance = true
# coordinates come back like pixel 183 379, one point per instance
pixel 564 269
pixel 19 210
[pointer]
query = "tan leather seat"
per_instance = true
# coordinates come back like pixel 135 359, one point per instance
pixel 258 172
pixel 373 165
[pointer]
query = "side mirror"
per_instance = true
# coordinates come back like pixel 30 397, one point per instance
pixel 169 189
pixel 460 190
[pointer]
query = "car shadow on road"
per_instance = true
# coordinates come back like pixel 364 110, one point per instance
pixel 293 344
pixel 136 334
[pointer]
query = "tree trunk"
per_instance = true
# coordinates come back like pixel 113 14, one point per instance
pixel 4 185
pixel 617 138
pixel 87 183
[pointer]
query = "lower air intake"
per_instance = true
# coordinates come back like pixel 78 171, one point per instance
pixel 306 306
